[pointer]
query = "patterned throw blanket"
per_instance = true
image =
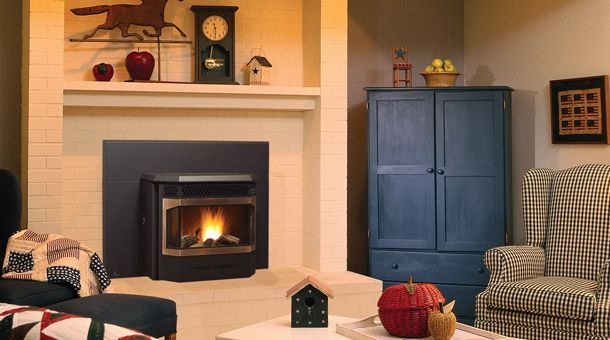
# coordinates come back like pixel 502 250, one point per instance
pixel 33 323
pixel 56 259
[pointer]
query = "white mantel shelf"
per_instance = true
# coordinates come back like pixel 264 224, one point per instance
pixel 189 96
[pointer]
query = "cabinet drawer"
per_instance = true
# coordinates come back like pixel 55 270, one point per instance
pixel 442 268
pixel 464 296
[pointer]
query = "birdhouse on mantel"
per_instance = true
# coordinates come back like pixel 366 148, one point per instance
pixel 309 303
pixel 259 70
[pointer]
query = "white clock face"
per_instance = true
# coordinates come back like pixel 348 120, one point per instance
pixel 215 28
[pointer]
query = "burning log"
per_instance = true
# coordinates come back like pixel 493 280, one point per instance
pixel 205 244
pixel 187 241
pixel 223 240
pixel 228 240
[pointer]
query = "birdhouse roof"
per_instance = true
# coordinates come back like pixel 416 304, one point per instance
pixel 310 280
pixel 261 60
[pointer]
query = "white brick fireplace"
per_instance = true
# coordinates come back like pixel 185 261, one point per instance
pixel 303 115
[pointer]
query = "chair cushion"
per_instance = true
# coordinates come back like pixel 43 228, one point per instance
pixel 33 293
pixel 563 297
pixel 149 315
pixel 578 226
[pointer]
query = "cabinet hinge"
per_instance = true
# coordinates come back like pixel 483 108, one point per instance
pixel 504 104
pixel 505 238
pixel 367 106
pixel 368 233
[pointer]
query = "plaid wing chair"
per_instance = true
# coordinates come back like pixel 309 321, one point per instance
pixel 558 286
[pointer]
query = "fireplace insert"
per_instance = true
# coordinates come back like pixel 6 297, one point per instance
pixel 199 226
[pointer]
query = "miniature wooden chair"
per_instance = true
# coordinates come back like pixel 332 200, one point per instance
pixel 400 63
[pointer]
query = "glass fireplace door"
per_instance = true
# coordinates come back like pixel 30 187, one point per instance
pixel 206 226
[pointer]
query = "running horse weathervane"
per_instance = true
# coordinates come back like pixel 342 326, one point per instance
pixel 148 13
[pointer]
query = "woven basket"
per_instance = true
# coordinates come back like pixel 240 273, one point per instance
pixel 404 308
pixel 440 79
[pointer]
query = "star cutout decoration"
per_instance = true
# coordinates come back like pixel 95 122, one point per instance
pixel 255 70
pixel 400 54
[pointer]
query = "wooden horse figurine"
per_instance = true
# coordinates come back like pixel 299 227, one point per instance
pixel 148 13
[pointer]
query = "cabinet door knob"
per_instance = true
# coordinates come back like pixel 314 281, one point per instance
pixel 430 170
pixel 440 171
pixel 394 265
pixel 481 270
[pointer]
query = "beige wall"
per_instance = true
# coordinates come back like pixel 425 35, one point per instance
pixel 276 26
pixel 374 28
pixel 10 86
pixel 524 44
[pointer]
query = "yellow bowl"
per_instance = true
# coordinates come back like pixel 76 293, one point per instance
pixel 440 79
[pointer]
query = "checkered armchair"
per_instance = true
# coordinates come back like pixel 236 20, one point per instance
pixel 557 286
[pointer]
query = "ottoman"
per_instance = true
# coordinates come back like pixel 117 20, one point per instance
pixel 148 315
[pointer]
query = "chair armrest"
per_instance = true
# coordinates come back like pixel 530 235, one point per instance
pixel 514 263
pixel 602 319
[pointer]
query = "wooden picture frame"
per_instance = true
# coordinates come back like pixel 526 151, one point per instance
pixel 579 110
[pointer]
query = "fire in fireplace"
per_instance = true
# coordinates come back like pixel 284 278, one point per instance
pixel 204 226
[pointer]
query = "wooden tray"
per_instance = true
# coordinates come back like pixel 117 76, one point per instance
pixel 371 329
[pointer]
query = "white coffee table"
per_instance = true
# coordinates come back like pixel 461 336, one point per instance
pixel 279 329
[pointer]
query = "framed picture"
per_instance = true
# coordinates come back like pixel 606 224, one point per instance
pixel 579 110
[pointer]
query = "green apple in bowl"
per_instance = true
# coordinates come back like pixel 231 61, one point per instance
pixel 439 70
pixel 437 63
pixel 450 68
pixel 429 69
pixel 448 62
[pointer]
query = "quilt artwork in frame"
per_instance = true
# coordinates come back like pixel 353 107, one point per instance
pixel 579 110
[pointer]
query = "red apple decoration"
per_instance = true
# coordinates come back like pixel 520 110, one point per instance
pixel 103 72
pixel 140 65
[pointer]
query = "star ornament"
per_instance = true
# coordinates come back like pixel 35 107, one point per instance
pixel 255 70
pixel 400 53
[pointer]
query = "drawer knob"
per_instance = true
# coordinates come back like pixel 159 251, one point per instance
pixel 481 270
pixel 440 171
pixel 394 265
pixel 430 170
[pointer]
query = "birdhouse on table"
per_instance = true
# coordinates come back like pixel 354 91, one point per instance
pixel 309 303
pixel 259 70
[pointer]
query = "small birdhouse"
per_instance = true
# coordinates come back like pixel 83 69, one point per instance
pixel 309 303
pixel 259 70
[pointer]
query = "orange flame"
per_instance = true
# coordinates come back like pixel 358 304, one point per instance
pixel 212 223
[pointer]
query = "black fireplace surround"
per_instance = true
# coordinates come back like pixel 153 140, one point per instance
pixel 185 211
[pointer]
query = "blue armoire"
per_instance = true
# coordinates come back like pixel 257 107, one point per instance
pixel 439 186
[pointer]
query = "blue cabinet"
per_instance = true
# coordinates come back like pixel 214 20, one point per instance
pixel 439 185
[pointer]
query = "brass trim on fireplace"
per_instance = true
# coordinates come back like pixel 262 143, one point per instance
pixel 170 203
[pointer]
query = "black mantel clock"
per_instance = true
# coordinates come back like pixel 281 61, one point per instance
pixel 215 44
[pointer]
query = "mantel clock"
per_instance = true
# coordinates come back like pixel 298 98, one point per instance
pixel 215 44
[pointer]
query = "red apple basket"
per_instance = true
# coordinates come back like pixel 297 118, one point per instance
pixel 404 308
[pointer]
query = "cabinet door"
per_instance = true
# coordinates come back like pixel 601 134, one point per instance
pixel 401 163
pixel 470 170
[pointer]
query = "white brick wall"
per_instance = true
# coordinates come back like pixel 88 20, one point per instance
pixel 308 161
pixel 274 25
pixel 85 129
pixel 62 174
pixel 325 145
pixel 42 113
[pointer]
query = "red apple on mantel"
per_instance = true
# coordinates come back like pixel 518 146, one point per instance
pixel 103 72
pixel 140 65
